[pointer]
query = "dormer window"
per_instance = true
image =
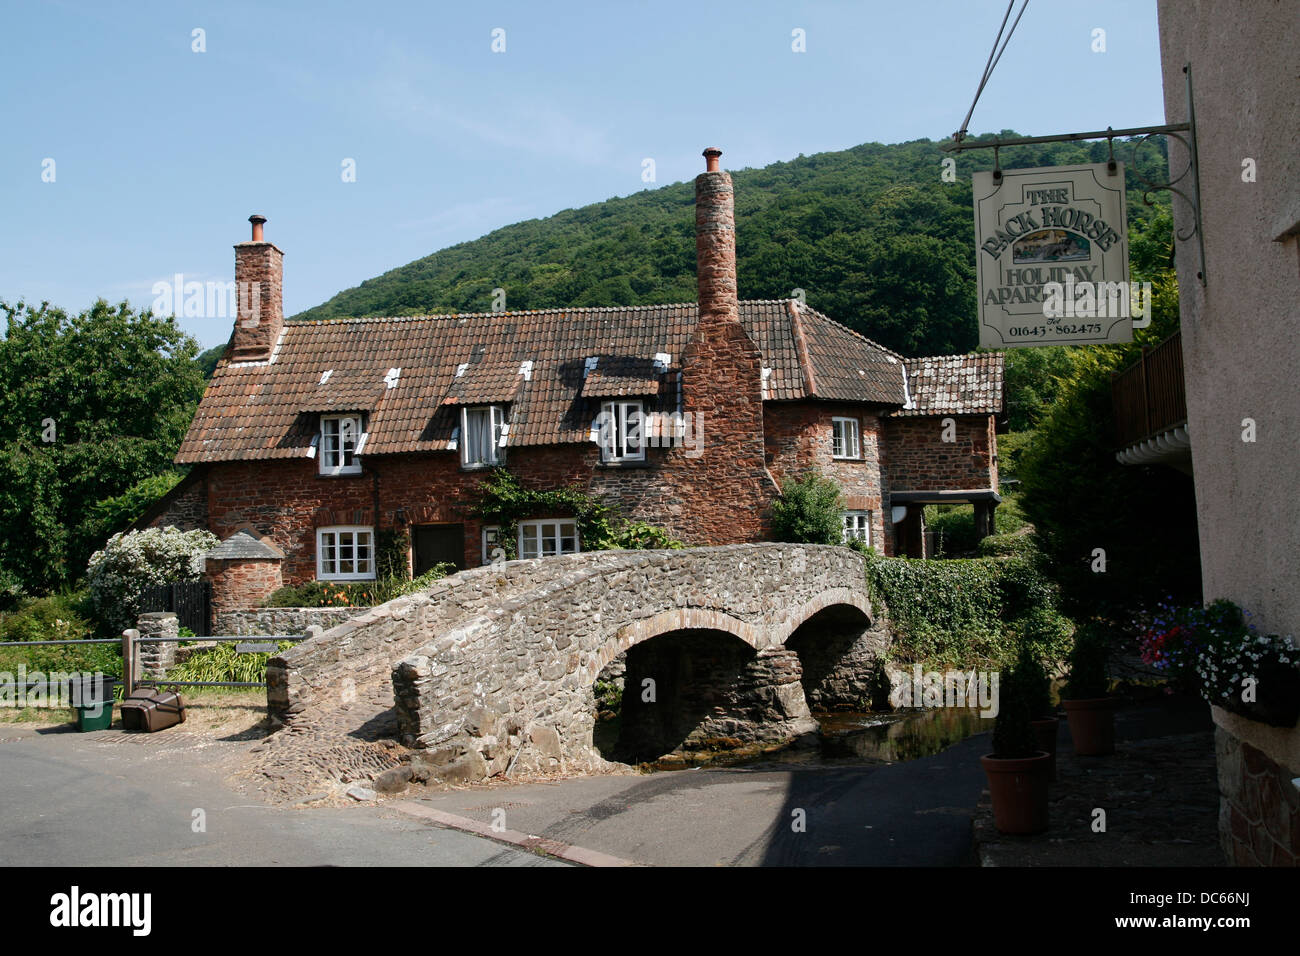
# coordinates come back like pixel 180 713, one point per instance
pixel 340 442
pixel 483 433
pixel 844 438
pixel 621 432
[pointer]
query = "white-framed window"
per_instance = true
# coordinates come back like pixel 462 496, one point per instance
pixel 482 434
pixel 345 553
pixel 622 435
pixel 491 541
pixel 857 525
pixel 340 441
pixel 844 438
pixel 539 539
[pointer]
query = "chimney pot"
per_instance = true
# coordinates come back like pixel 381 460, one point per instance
pixel 711 156
pixel 257 221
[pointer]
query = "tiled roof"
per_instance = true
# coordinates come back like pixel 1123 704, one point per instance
pixel 956 384
pixel 266 409
pixel 242 545
pixel 619 375
pixel 486 383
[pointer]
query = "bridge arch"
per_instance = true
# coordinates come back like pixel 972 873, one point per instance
pixel 498 663
pixel 665 622
pixel 856 598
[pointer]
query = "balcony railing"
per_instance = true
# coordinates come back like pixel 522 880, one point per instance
pixel 1148 396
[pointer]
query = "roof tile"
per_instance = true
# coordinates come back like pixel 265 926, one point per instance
pixel 957 384
pixel 266 409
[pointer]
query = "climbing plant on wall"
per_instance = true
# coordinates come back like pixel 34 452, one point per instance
pixel 504 501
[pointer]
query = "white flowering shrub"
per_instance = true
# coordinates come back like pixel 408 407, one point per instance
pixel 131 562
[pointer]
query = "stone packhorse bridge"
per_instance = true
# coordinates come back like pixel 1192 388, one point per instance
pixel 496 667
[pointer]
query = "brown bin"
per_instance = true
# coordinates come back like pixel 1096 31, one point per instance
pixel 151 710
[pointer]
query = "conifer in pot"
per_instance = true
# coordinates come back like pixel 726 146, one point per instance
pixel 1018 771
pixel 1089 708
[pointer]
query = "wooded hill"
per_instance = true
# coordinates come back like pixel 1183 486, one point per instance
pixel 872 235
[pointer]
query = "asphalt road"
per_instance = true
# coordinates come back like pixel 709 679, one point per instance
pixel 917 813
pixel 71 799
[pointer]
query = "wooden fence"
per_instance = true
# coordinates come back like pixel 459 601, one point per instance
pixel 190 601
pixel 1149 396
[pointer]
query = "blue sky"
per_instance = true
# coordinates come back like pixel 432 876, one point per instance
pixel 161 153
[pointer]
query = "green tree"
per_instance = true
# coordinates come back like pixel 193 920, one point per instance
pixel 1080 499
pixel 872 234
pixel 1033 376
pixel 207 361
pixel 809 511
pixel 90 405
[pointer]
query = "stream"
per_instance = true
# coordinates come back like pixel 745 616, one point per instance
pixel 852 738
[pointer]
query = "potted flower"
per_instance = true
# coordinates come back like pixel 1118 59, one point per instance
pixel 1089 708
pixel 1037 688
pixel 1217 651
pixel 1172 639
pixel 1251 674
pixel 1017 770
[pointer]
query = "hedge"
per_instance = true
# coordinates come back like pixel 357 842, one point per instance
pixel 968 612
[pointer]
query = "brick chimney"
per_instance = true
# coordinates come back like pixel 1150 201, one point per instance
pixel 715 242
pixel 727 483
pixel 259 271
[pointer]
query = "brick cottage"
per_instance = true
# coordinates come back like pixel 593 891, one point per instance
pixel 313 438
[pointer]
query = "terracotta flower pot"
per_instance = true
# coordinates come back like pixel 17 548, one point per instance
pixel 1045 731
pixel 1018 788
pixel 1092 725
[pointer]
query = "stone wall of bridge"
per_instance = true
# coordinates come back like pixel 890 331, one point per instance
pixel 493 668
pixel 515 683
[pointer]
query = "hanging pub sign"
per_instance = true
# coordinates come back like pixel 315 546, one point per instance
pixel 1052 253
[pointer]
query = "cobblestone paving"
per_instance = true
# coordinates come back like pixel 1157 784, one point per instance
pixel 1161 799
pixel 327 748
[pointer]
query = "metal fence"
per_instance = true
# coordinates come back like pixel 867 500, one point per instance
pixel 131 640
pixel 254 644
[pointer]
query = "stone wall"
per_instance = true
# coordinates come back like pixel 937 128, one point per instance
pixel 840 656
pixel 241 583
pixel 497 663
pixel 155 659
pixel 798 436
pixel 1259 798
pixel 533 660
pixel 184 507
pixel 281 620
pixel 711 692
pixel 1259 806
pixel 920 460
